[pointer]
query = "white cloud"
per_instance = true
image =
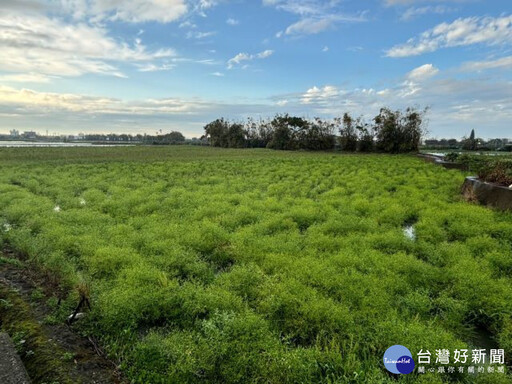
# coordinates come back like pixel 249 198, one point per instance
pixel 199 35
pixel 315 16
pixel 29 77
pixel 299 7
pixel 70 112
pixel 309 26
pixel 46 102
pixel 319 95
pixel 410 2
pixel 317 24
pixel 241 57
pixel 232 21
pixel 423 72
pixel 325 49
pixel 455 103
pixel 217 74
pixel 134 11
pixel 414 12
pixel 49 46
pixel 187 24
pixel 475 66
pixel 150 67
pixel 265 54
pixel 461 32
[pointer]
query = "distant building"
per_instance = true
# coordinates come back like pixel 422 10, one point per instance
pixel 29 135
pixel 80 136
pixel 14 133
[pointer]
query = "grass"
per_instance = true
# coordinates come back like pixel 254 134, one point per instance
pixel 41 356
pixel 257 266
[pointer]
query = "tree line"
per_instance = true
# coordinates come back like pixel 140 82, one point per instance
pixel 172 137
pixel 390 131
pixel 471 143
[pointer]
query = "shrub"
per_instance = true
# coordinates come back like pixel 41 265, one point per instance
pixel 452 156
pixel 498 171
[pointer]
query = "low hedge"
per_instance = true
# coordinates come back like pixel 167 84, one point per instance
pixel 491 169
pixel 498 171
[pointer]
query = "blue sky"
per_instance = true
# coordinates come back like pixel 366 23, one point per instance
pixel 138 66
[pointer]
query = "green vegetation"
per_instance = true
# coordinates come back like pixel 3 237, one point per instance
pixel 206 265
pixel 390 132
pixel 494 169
pixel 41 356
pixel 498 171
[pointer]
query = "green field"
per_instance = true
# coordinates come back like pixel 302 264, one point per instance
pixel 206 265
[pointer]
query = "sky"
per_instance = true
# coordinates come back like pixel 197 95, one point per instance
pixel 145 66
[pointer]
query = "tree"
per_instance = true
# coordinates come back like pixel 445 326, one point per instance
pixel 398 132
pixel 452 143
pixel 236 136
pixel 282 134
pixel 320 135
pixel 290 132
pixel 411 129
pixel 348 134
pixel 387 131
pixel 471 143
pixel 258 133
pixel 366 136
pixel 216 133
pixel 175 137
pixel 392 131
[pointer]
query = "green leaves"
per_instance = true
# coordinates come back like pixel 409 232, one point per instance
pixel 240 266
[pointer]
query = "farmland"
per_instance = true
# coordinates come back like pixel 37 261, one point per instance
pixel 207 265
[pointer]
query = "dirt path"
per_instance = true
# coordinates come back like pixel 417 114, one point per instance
pixel 49 352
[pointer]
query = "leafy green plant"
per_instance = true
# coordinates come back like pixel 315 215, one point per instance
pixel 229 266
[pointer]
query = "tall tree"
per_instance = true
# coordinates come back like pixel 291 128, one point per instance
pixel 216 133
pixel 236 136
pixel 398 132
pixel 366 135
pixel 470 144
pixel 348 134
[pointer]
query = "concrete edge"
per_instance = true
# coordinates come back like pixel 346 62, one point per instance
pixel 12 370
pixel 486 193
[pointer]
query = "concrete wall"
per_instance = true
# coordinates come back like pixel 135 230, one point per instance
pixel 487 193
pixel 12 370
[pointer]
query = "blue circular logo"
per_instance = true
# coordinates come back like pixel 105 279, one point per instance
pixel 398 360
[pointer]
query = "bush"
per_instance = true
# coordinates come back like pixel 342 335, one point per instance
pixel 498 171
pixel 452 156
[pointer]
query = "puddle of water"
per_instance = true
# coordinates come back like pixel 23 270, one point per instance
pixel 410 232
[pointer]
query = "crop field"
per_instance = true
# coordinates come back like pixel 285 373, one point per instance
pixel 207 265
